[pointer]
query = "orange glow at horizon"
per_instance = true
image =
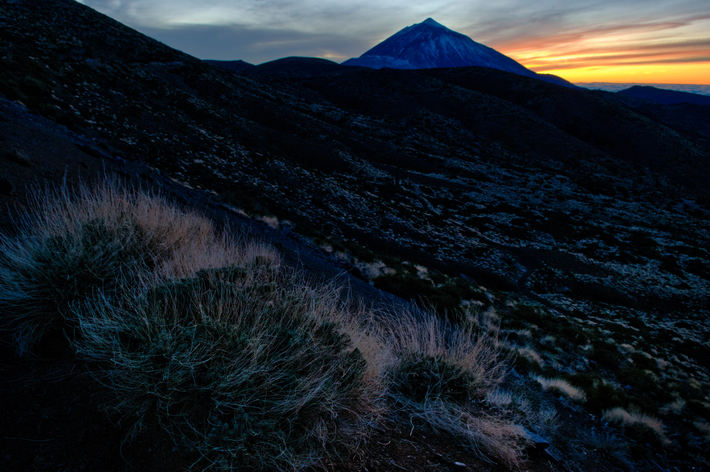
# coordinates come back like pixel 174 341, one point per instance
pixel 668 52
pixel 697 73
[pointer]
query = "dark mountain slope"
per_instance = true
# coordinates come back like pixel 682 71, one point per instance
pixel 580 220
pixel 687 118
pixel 598 119
pixel 409 100
pixel 530 117
pixel 664 97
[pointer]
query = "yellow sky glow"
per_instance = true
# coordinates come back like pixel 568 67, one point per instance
pixel 660 52
pixel 696 73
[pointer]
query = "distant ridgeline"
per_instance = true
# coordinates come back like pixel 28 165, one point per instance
pixel 656 93
pixel 664 97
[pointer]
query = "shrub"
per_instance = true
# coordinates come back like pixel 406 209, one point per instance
pixel 39 285
pixel 441 378
pixel 466 362
pixel 443 293
pixel 73 245
pixel 251 368
pixel 422 377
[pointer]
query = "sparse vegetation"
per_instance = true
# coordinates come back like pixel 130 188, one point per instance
pixel 442 377
pixel 599 393
pixel 456 362
pixel 422 378
pixel 247 365
pixel 236 359
pixel 445 294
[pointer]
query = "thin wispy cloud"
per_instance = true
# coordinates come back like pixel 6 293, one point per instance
pixel 546 35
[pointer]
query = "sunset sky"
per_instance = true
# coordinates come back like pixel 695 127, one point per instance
pixel 653 41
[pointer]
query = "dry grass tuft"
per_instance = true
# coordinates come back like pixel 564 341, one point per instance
pixel 531 355
pixel 77 244
pixel 563 387
pixel 676 407
pixel 423 337
pixel 625 418
pixel 492 438
pixel 441 377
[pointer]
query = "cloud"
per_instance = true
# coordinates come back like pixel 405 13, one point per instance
pixel 536 33
pixel 261 30
pixel 664 46
pixel 255 44
pixel 622 62
pixel 677 38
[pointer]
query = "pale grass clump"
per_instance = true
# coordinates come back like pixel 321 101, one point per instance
pixel 422 335
pixel 178 241
pixel 75 244
pixel 492 438
pixel 537 417
pixel 363 329
pixel 626 418
pixel 441 377
pixel 481 319
pixel 518 409
pixel 252 368
pixel 531 355
pixel 563 387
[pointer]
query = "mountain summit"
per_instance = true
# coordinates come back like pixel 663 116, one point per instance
pixel 429 45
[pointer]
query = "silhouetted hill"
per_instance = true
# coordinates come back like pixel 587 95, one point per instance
pixel 299 67
pixel 234 66
pixel 579 219
pixel 600 121
pixel 664 97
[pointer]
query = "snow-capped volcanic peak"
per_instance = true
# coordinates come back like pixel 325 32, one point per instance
pixel 430 44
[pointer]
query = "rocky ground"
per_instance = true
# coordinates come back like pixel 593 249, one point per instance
pixel 576 220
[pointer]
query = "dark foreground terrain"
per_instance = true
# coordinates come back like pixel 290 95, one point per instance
pixel 577 220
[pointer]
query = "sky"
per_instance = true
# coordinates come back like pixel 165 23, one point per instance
pixel 642 41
